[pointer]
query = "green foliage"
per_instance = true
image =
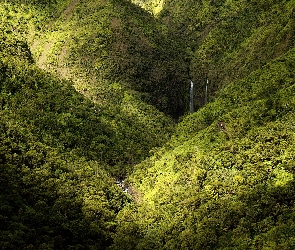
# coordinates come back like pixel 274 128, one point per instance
pixel 153 6
pixel 51 198
pixel 58 148
pixel 223 189
pixel 119 42
pixel 208 187
pixel 13 30
pixel 227 40
pixel 63 118
pixel 59 116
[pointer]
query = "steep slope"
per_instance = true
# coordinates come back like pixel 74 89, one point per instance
pixel 54 192
pixel 227 40
pixel 110 129
pixel 96 41
pixel 58 149
pixel 226 178
pixel 226 188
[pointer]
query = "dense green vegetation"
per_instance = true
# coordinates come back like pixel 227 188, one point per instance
pixel 119 42
pixel 153 6
pixel 227 189
pixel 59 151
pixel 231 188
pixel 227 39
pixel 83 85
pixel 53 196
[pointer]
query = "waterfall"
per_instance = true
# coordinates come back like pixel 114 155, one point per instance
pixel 206 91
pixel 191 103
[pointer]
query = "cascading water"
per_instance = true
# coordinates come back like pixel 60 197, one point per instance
pixel 191 103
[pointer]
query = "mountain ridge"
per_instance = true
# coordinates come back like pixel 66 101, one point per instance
pixel 221 178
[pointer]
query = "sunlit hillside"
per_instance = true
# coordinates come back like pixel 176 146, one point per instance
pixel 153 6
pixel 223 187
pixel 65 135
pixel 95 43
pixel 226 178
pixel 99 149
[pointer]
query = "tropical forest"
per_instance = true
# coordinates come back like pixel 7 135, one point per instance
pixel 147 124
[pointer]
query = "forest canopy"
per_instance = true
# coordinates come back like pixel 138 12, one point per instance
pixel 98 149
